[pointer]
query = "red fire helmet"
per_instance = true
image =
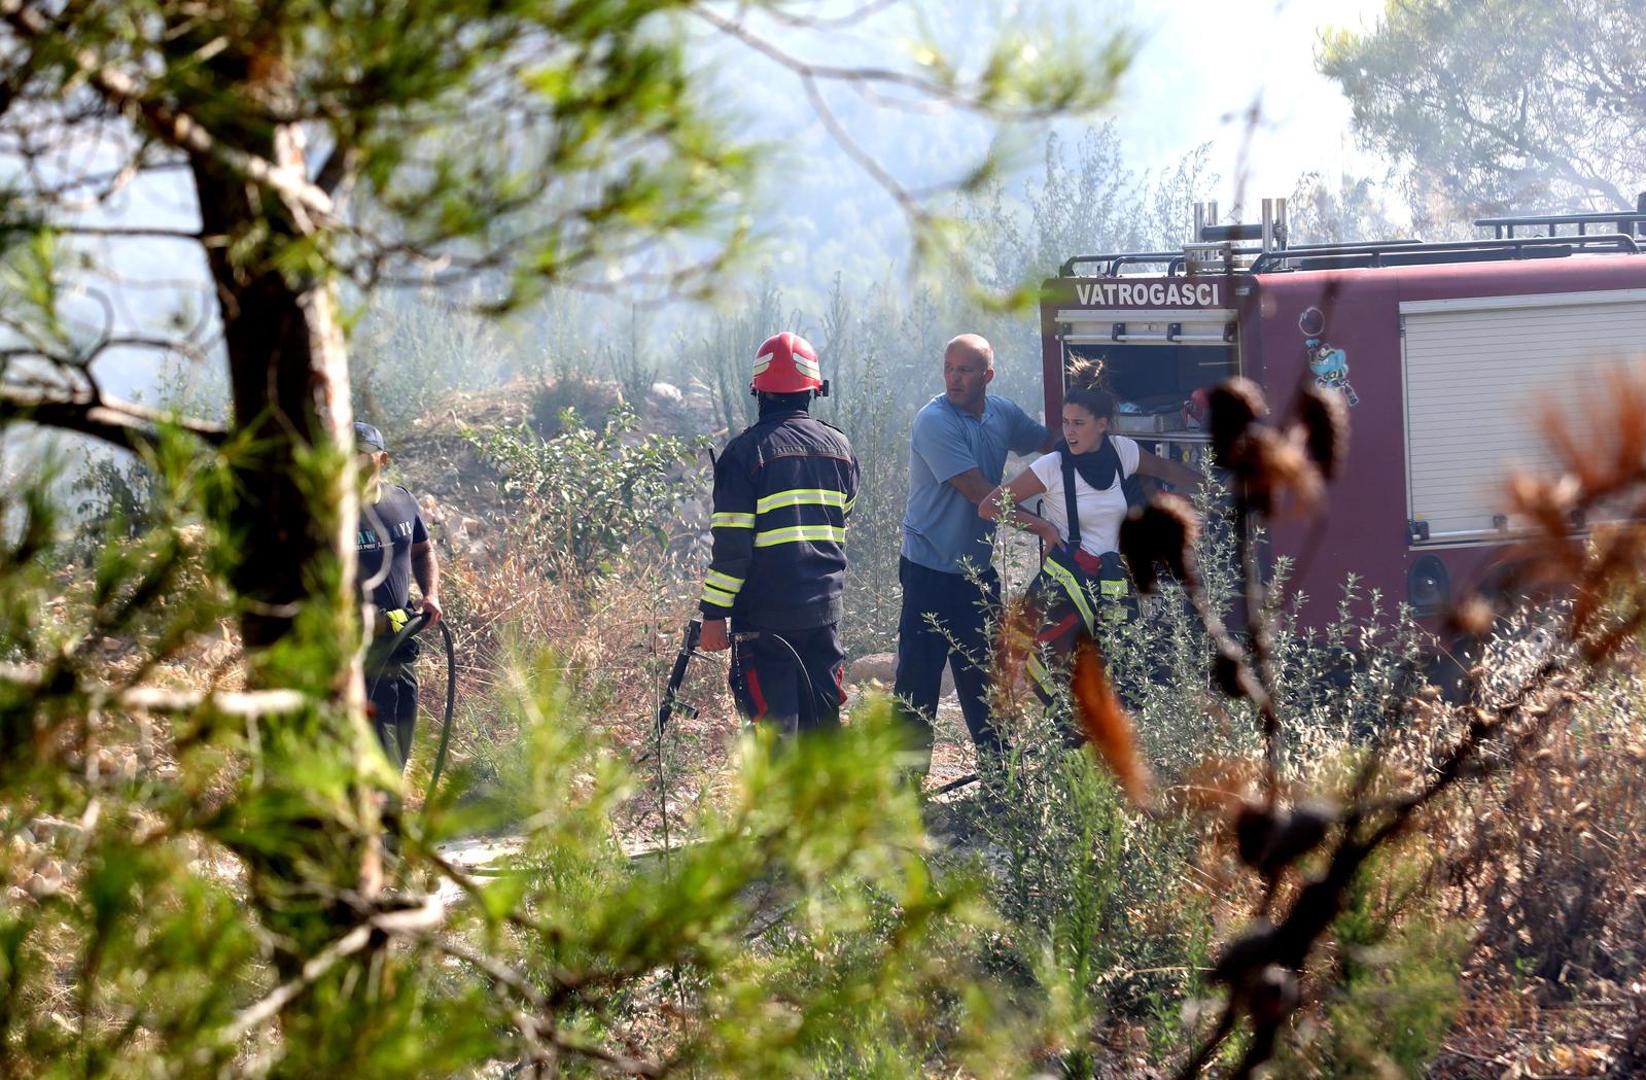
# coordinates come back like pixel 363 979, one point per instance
pixel 786 364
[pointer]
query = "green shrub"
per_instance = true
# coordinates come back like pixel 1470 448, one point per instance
pixel 194 889
pixel 1104 918
pixel 591 495
pixel 1109 911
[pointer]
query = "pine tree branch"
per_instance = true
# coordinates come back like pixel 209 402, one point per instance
pixel 159 699
pixel 389 924
pixel 533 1025
pixel 170 125
pixel 131 232
pixel 125 424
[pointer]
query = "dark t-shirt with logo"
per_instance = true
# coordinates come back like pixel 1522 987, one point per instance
pixel 388 529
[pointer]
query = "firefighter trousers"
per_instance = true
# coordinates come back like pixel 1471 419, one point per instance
pixel 790 679
pixel 1075 595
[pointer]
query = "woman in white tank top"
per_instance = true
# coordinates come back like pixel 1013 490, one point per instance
pixel 1088 414
pixel 1077 588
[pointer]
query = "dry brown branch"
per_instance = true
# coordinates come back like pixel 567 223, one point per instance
pixel 426 916
pixel 535 1026
pixel 125 424
pixel 1262 966
pixel 1106 724
pixel 157 699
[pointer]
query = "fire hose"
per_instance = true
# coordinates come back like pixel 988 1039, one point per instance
pixel 414 625
pixel 672 704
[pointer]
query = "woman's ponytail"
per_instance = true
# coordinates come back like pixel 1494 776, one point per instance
pixel 1088 388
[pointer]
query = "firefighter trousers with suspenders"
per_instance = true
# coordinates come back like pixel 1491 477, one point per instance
pixel 1074 594
pixel 790 679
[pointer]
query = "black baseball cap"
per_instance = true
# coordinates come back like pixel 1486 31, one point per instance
pixel 366 436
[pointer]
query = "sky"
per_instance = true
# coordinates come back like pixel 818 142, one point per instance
pixel 1204 63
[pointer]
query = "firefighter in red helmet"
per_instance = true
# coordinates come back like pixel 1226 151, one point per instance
pixel 782 492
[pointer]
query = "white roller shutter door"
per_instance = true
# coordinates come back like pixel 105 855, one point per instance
pixel 1478 374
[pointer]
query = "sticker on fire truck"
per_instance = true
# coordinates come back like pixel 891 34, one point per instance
pixel 1329 363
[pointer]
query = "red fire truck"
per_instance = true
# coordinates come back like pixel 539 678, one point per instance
pixel 1445 352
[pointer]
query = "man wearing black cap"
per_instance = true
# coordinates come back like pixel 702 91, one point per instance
pixel 393 548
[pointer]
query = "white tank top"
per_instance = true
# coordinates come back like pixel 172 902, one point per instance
pixel 1101 512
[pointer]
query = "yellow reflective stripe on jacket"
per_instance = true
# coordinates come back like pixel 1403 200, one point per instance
pixel 1072 587
pixel 724 582
pixel 1042 677
pixel 712 595
pixel 801 497
pixel 724 520
pixel 796 533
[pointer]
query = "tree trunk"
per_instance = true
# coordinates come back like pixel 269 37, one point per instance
pixel 294 519
pixel 296 511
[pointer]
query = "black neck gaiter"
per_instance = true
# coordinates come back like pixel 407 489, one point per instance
pixel 1097 467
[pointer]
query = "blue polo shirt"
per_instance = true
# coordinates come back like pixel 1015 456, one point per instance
pixel 941 526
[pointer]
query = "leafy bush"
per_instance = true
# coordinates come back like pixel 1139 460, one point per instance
pixel 1397 979
pixel 1551 861
pixel 589 495
pixel 1105 919
pixel 1112 909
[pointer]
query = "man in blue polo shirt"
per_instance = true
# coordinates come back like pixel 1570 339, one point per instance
pixel 958 455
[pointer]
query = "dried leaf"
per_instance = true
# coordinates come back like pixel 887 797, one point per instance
pixel 1253 825
pixel 1473 616
pixel 1282 478
pixel 1231 675
pixel 1273 995
pixel 1234 405
pixel 1106 723
pixel 1325 418
pixel 1269 841
pixel 1014 642
pixel 1603 441
pixel 1246 956
pixel 1547 502
pixel 1163 533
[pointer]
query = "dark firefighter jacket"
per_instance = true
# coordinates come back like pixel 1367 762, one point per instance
pixel 782 491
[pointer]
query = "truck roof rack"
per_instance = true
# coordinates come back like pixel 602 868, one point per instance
pixel 1348 247
pixel 1395 253
pixel 1116 259
pixel 1175 260
pixel 1624 232
pixel 1630 224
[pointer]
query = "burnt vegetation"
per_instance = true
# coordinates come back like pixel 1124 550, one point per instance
pixel 1308 851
